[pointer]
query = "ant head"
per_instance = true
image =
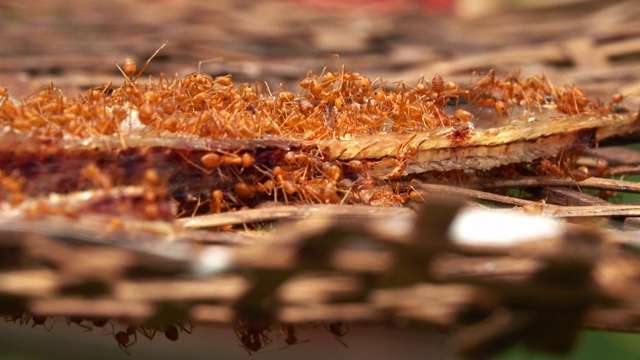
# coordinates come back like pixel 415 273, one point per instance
pixel 129 66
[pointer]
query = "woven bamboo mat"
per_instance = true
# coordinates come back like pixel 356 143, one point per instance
pixel 388 264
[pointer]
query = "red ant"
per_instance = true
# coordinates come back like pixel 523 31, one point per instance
pixel 339 329
pixel 290 332
pixel 129 67
pixel 19 318
pixel 78 321
pixel 253 336
pixel 444 91
pixel 99 322
pixel 124 338
pixel 38 320
pixel 171 331
pixel 25 318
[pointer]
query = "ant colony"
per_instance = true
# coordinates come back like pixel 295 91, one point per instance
pixel 233 146
pixel 187 146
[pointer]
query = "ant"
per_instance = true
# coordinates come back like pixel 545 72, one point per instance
pixel 124 338
pixel 38 320
pixel 171 331
pixel 13 317
pixel 78 321
pixel 404 152
pixel 205 79
pixel 4 96
pixel 129 66
pixel 101 322
pixel 339 329
pixel 24 318
pixel 548 168
pixel 253 336
pixel 290 332
pixel 444 91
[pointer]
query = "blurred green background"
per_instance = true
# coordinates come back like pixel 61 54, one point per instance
pixel 592 345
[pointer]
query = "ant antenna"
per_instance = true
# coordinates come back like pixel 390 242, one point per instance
pixel 149 60
pixel 334 59
pixel 215 59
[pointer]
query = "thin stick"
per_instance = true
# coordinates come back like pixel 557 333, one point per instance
pixel 590 183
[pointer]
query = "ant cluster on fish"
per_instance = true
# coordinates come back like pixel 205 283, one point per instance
pixel 337 105
pixel 333 104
